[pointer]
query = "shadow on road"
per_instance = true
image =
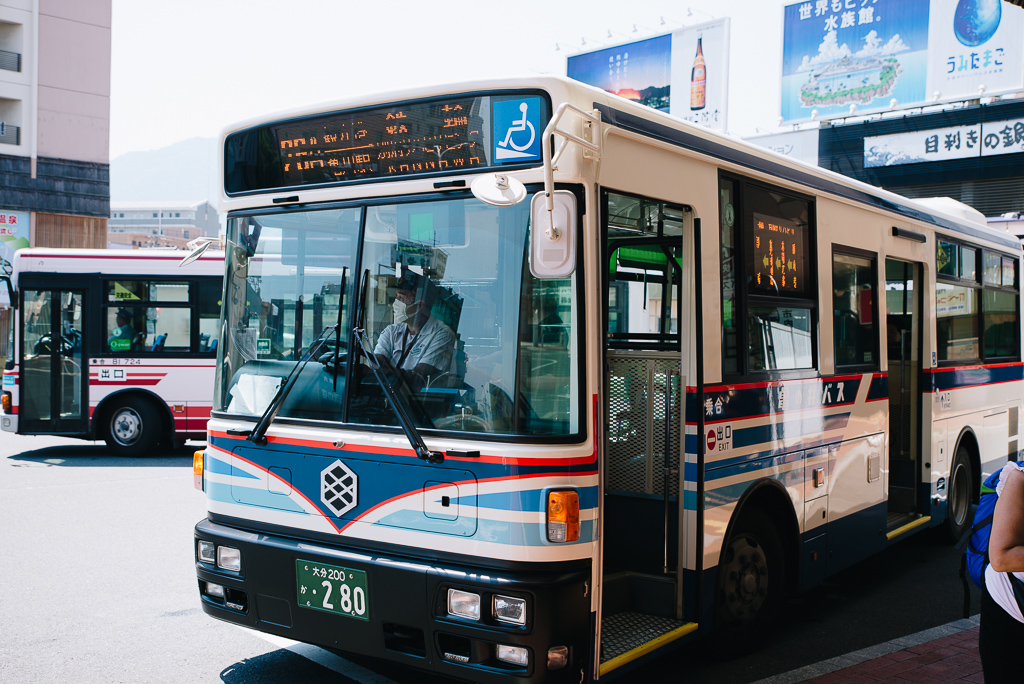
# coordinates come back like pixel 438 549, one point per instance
pixel 97 455
pixel 277 667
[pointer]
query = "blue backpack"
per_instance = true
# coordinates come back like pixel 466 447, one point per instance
pixel 975 558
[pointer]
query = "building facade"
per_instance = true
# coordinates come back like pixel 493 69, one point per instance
pixel 160 224
pixel 54 125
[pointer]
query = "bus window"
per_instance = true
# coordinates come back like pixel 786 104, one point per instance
pixel 767 279
pixel 853 304
pixel 209 315
pixel 451 309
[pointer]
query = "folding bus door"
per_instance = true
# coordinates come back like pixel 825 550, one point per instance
pixel 54 397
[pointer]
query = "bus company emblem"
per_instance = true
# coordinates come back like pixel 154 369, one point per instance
pixel 338 488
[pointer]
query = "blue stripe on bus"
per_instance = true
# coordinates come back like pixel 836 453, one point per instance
pixel 879 388
pixel 942 379
pixel 494 531
pixel 731 402
pixel 253 497
pixel 530 500
pixel 216 466
pixel 787 429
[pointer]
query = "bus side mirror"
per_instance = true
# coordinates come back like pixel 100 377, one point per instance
pixel 553 235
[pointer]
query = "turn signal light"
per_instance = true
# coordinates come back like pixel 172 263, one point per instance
pixel 563 515
pixel 197 469
pixel 6 402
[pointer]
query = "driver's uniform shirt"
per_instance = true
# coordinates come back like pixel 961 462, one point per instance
pixel 434 346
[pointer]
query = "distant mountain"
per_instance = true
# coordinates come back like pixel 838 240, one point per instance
pixel 182 171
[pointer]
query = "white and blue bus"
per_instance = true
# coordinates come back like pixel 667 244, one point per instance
pixel 521 381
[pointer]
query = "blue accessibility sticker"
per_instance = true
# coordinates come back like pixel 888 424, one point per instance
pixel 8 380
pixel 517 130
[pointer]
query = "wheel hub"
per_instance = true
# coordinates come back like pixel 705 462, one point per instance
pixel 746 579
pixel 126 426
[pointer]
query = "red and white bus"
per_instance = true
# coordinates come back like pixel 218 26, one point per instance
pixel 138 344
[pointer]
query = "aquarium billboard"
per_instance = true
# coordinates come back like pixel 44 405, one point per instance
pixel 684 73
pixel 855 57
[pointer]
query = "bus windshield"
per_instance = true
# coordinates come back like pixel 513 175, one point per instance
pixel 469 340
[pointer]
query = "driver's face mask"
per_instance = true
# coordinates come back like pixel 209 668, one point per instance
pixel 403 311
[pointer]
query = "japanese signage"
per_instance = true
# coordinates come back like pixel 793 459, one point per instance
pixel 14 235
pixel 941 144
pixel 843 57
pixel 446 135
pixel 780 259
pixel 684 73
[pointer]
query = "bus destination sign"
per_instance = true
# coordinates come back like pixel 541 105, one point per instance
pixel 780 259
pixel 449 135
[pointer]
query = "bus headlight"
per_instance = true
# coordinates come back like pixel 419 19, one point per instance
pixel 517 655
pixel 207 552
pixel 509 609
pixel 229 559
pixel 563 515
pixel 464 604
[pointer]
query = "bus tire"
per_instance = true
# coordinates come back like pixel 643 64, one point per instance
pixel 961 488
pixel 751 579
pixel 133 428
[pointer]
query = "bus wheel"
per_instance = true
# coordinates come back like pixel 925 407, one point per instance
pixel 134 428
pixel 750 577
pixel 958 512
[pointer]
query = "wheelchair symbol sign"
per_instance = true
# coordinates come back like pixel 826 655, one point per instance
pixel 517 130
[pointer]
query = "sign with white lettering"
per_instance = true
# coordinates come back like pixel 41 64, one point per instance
pixel 943 144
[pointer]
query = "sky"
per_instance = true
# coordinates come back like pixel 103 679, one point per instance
pixel 189 68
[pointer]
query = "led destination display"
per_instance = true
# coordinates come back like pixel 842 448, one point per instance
pixel 449 135
pixel 780 256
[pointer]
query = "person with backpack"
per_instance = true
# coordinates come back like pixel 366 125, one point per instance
pixel 1002 599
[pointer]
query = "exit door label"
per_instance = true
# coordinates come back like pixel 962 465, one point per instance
pixel 720 438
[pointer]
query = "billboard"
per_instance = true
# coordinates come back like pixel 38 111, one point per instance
pixel 14 235
pixel 841 57
pixel 684 73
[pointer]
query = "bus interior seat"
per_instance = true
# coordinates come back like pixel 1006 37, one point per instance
pixel 158 344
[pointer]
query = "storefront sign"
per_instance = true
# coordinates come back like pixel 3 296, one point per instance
pixel 943 144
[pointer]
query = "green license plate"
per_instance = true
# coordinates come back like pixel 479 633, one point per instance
pixel 332 589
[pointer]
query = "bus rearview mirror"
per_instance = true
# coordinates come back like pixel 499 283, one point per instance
pixel 553 235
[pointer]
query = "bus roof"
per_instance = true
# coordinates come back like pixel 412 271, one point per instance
pixel 115 261
pixel 623 113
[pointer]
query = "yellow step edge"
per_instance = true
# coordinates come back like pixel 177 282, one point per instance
pixel 906 528
pixel 644 649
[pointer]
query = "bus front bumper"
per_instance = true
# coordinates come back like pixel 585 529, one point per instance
pixel 399 610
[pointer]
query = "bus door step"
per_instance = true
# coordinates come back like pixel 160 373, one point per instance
pixel 627 636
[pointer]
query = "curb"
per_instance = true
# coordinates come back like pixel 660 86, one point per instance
pixel 871 652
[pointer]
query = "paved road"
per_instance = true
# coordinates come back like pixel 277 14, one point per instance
pixel 97 584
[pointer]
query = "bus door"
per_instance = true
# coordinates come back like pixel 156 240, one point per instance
pixel 642 398
pixel 903 320
pixel 54 374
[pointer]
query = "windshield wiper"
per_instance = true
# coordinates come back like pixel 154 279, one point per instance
pixel 258 432
pixel 397 404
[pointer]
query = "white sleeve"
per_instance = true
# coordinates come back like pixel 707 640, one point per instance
pixel 1009 464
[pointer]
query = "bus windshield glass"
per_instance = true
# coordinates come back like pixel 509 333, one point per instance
pixel 466 336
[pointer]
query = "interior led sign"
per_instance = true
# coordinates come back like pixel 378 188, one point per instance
pixel 780 256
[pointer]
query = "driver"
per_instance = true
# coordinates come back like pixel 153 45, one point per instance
pixel 124 329
pixel 416 342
